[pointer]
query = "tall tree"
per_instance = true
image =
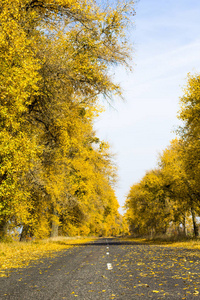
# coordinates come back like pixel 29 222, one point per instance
pixel 148 210
pixel 178 185
pixel 190 133
pixel 19 78
pixel 55 59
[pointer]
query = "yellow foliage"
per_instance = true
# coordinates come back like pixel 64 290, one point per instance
pixel 54 59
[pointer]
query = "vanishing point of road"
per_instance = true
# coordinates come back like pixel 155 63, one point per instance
pixel 108 269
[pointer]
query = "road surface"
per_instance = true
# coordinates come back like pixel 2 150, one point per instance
pixel 108 269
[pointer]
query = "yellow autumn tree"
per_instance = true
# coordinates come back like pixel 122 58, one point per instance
pixel 147 206
pixel 178 185
pixel 164 197
pixel 189 132
pixel 55 60
pixel 19 78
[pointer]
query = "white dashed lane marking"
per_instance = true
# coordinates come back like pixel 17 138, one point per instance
pixel 109 266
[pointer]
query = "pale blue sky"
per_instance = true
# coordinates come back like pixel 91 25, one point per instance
pixel 166 43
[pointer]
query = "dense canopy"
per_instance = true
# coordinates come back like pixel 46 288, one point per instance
pixel 56 176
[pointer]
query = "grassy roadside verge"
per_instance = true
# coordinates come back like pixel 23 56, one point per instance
pixel 20 254
pixel 181 243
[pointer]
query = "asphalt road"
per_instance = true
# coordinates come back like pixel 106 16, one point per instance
pixel 108 269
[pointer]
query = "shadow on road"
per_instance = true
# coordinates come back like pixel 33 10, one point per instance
pixel 102 242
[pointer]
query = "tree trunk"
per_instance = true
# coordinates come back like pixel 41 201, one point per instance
pixel 54 224
pixel 3 229
pixel 25 233
pixel 195 228
pixel 184 226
